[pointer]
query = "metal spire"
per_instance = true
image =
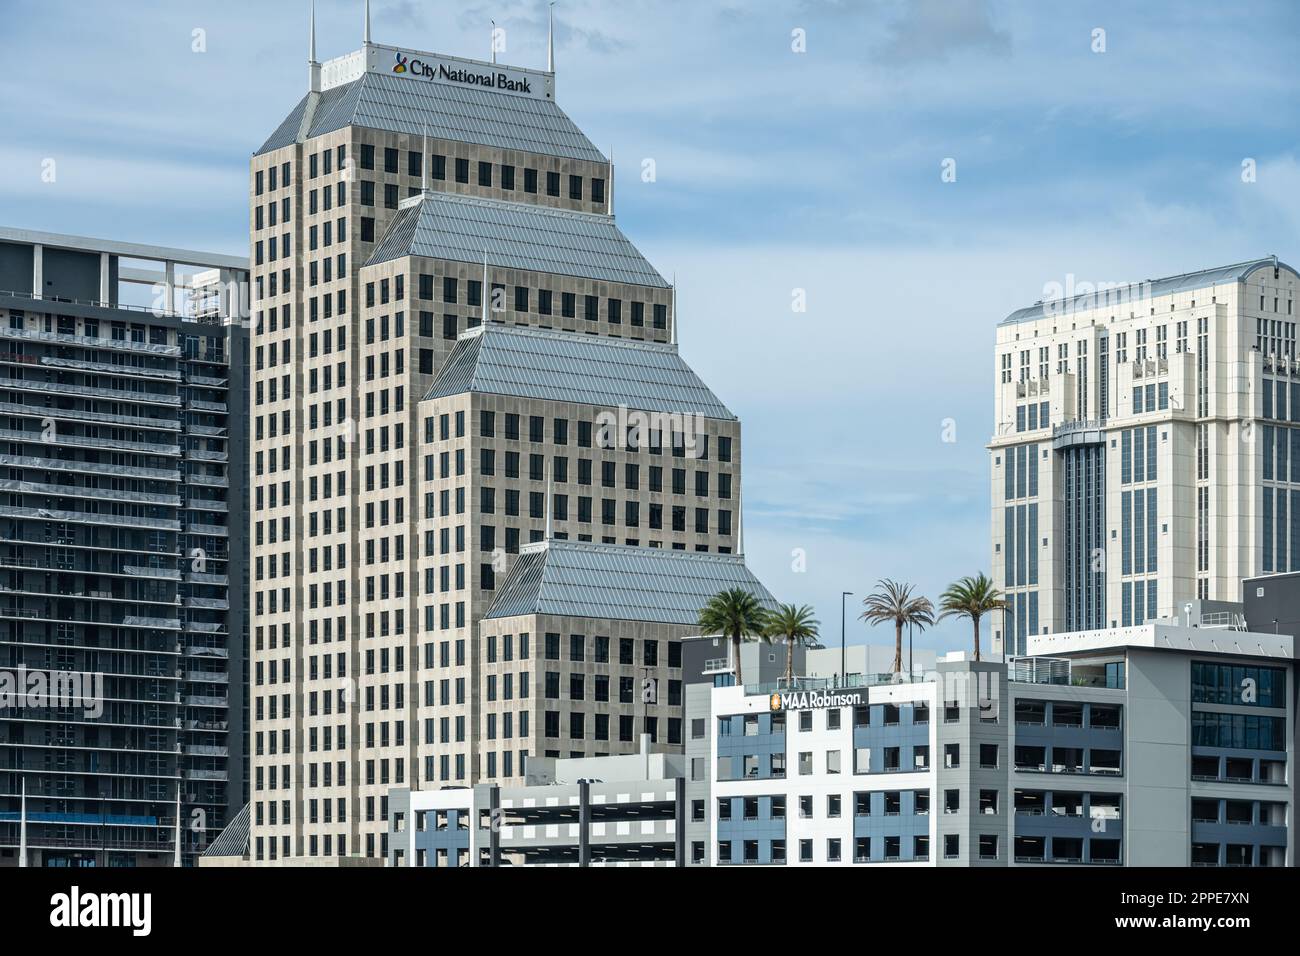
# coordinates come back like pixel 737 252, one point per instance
pixel 22 827
pixel 550 38
pixel 313 66
pixel 494 40
pixel 609 193
pixel 176 859
pixel 549 498
pixel 366 39
pixel 672 319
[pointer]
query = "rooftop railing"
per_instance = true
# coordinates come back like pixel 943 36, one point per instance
pixel 850 682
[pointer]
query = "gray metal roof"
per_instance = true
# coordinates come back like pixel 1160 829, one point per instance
pixel 514 235
pixel 580 579
pixel 1188 281
pixel 233 840
pixel 462 114
pixel 573 367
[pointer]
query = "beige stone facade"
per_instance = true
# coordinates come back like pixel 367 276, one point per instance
pixel 345 546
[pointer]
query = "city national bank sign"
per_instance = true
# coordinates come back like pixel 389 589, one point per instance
pixel 817 700
pixel 468 73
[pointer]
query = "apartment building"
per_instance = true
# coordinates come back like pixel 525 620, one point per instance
pixel 439 280
pixel 1142 448
pixel 1161 744
pixel 124 581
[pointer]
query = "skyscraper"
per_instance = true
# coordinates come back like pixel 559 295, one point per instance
pixel 122 564
pixel 457 352
pixel 1147 449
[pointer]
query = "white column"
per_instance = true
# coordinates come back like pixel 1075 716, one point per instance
pixel 22 827
pixel 169 282
pixel 176 858
pixel 223 295
pixel 38 271
pixel 105 265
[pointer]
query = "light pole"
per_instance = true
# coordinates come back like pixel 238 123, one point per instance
pixel 844 673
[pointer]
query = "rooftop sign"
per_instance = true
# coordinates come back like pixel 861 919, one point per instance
pixel 817 700
pixel 419 66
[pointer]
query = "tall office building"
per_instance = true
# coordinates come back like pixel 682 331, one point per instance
pixel 123 634
pixel 1146 453
pixel 456 353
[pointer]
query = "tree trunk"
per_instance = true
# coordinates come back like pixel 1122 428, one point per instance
pixel 735 648
pixel 976 621
pixel 789 662
pixel 898 647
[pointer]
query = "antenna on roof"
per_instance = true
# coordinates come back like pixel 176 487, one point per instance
pixel 22 827
pixel 609 195
pixel 549 498
pixel 483 293
pixel 672 319
pixel 313 67
pixel 366 38
pixel 494 40
pixel 176 853
pixel 550 38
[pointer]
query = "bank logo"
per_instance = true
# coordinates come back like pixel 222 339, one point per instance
pixel 401 63
pixel 774 702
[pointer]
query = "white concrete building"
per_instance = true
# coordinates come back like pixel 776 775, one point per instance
pixel 1154 745
pixel 1142 448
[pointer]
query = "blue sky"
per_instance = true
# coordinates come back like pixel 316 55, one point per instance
pixel 775 171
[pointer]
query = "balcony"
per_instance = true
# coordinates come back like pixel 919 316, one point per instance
pixel 89 467
pixel 61 338
pixel 1039 670
pixel 1077 433
pixel 93 417
pixel 112 394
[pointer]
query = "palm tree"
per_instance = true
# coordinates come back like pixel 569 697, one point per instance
pixel 972 598
pixel 795 626
pixel 734 614
pixel 893 601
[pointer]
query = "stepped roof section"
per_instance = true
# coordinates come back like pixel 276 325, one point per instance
pixel 620 582
pixel 548 365
pixel 439 225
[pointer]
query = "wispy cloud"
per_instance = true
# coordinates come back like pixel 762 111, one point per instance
pixel 778 172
